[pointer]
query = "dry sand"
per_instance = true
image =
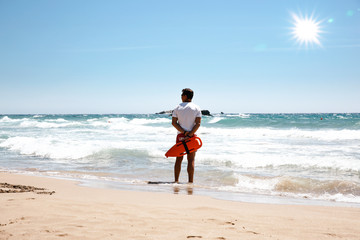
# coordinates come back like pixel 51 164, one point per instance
pixel 60 209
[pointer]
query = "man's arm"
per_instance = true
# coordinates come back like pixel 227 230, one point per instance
pixel 196 127
pixel 177 125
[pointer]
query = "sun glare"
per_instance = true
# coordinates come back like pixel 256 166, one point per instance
pixel 306 30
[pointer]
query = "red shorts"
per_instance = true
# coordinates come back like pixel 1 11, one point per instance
pixel 181 137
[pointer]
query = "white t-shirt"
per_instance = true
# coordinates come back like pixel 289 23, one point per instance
pixel 186 113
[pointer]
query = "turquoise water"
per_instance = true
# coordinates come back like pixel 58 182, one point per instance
pixel 299 156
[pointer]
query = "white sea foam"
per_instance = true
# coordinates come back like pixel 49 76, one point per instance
pixel 48 124
pixel 297 187
pixel 6 119
pixel 216 119
pixel 250 133
pixel 243 115
pixel 49 147
pixel 251 148
pixel 79 143
pixel 59 120
pixel 139 121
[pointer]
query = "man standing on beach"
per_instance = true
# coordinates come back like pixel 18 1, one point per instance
pixel 186 118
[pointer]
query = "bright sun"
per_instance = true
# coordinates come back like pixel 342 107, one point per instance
pixel 306 30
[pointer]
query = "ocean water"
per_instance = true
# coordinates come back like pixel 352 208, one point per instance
pixel 307 157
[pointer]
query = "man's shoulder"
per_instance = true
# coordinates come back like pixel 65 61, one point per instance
pixel 188 105
pixel 195 106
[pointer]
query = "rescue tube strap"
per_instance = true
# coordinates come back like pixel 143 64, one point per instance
pixel 186 148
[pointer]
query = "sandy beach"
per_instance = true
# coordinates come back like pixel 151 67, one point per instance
pixel 60 209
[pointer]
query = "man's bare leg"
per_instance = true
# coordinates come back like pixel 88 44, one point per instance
pixel 191 166
pixel 177 168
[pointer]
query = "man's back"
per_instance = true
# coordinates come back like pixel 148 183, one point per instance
pixel 187 112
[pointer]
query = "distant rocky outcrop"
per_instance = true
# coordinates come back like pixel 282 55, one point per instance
pixel 165 112
pixel 203 112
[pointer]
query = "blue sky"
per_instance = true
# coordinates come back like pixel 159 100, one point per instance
pixel 136 56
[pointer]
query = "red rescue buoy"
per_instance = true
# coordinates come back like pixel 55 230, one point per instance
pixel 184 147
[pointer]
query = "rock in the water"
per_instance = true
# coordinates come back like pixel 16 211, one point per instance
pixel 205 112
pixel 165 112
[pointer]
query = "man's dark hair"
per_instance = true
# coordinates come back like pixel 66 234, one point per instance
pixel 188 93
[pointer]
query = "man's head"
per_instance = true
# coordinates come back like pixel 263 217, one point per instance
pixel 188 94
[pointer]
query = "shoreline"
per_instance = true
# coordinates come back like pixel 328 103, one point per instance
pixel 184 188
pixel 78 212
